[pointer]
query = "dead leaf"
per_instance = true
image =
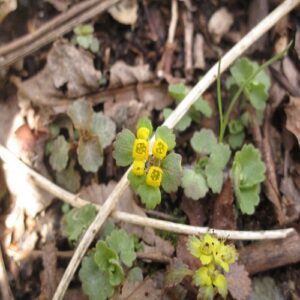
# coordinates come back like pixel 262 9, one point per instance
pixel 194 210
pixel 292 111
pixel 61 5
pixel 125 12
pixel 223 215
pixel 185 256
pixel 264 288
pixel 122 74
pixel 146 289
pixel 219 24
pixel 7 6
pixel 69 73
pixel 239 283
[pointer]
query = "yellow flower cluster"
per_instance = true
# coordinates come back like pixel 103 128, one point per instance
pixel 140 154
pixel 215 257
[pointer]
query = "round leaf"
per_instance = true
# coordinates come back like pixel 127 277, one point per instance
pixel 194 184
pixel 166 135
pixel 90 154
pixel 81 114
pixel 183 124
pixel 172 172
pixel 59 153
pixel 104 128
pixel 204 141
pixel 150 196
pixel 123 148
pixel 144 122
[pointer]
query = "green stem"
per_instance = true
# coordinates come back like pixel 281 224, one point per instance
pixel 242 87
pixel 220 108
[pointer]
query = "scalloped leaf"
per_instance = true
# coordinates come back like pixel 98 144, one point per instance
pixel 248 198
pixel 123 148
pixel 178 91
pixel 95 283
pixel 81 114
pixel 176 273
pixel 183 124
pixel 172 172
pixel 150 196
pixel 167 135
pixel 145 122
pixel 104 128
pixel 90 154
pixel 135 181
pixel 236 140
pixel 123 244
pixel 257 95
pixel 77 220
pixel 251 167
pixel 59 153
pixel 135 275
pixel 194 184
pixel 204 141
pixel 202 106
pixel 220 156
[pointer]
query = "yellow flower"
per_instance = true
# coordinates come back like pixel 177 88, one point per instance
pixel 138 167
pixel 154 176
pixel 160 149
pixel 204 248
pixel 140 150
pixel 203 276
pixel 220 282
pixel 225 255
pixel 143 133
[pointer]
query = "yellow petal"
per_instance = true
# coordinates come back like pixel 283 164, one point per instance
pixel 138 167
pixel 154 176
pixel 140 150
pixel 205 259
pixel 160 149
pixel 143 133
pixel 194 245
pixel 220 282
pixel 201 277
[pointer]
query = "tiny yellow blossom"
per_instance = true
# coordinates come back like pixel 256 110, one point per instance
pixel 143 133
pixel 203 276
pixel 160 149
pixel 140 150
pixel 138 167
pixel 225 255
pixel 220 282
pixel 154 176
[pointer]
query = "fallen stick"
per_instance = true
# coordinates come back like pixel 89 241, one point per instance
pixel 77 201
pixel 266 255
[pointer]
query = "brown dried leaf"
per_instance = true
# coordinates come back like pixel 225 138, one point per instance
pixel 146 289
pixel 69 73
pixel 125 12
pixel 219 24
pixel 61 5
pixel 239 283
pixel 122 74
pixel 223 215
pixel 292 111
pixel 7 6
pixel 194 211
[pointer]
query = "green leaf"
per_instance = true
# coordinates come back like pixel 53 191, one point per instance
pixel 104 255
pixel 95 45
pixel 145 122
pixel 135 181
pixel 248 198
pixel 90 154
pixel 104 128
pixel 84 41
pixel 59 153
pixel 123 148
pixel 95 283
pixel 69 178
pixel 84 29
pixel 178 91
pixel 252 169
pixel 235 126
pixel 257 95
pixel 77 220
pixel 81 114
pixel 150 196
pixel 194 184
pixel 220 156
pixel 135 275
pixel 166 135
pixel 176 273
pixel 172 172
pixel 241 70
pixel 107 260
pixel 123 244
pixel 183 124
pixel 204 141
pixel 202 106
pixel 236 140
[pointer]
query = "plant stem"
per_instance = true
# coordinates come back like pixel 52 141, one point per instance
pixel 220 108
pixel 243 86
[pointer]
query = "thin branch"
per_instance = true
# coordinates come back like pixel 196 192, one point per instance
pixel 76 201
pixel 173 22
